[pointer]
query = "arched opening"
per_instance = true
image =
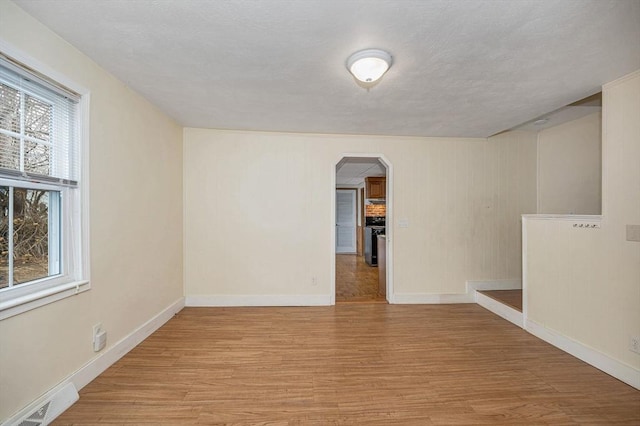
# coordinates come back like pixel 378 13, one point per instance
pixel 362 240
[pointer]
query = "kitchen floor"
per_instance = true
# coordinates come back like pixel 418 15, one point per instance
pixel 355 280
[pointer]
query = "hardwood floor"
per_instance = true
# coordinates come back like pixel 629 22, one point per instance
pixel 355 280
pixel 366 363
pixel 512 298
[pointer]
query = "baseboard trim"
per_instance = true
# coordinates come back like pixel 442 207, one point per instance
pixel 59 397
pixel 472 286
pixel 449 298
pixel 97 365
pixel 611 366
pixel 222 300
pixel 100 363
pixel 431 299
pixel 500 309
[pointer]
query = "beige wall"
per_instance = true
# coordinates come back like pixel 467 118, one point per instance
pixel 584 284
pixel 569 167
pixel 258 210
pixel 135 219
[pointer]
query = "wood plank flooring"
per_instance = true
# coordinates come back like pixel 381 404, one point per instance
pixel 355 280
pixel 349 364
pixel 512 298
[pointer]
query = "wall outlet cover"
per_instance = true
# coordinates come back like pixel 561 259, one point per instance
pixel 633 233
pixel 96 329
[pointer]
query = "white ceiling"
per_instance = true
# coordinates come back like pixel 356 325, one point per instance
pixel 353 170
pixel 461 68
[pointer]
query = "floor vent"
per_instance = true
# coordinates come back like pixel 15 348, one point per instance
pixel 51 408
pixel 36 418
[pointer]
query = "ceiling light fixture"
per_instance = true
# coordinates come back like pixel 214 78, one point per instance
pixel 369 65
pixel 540 121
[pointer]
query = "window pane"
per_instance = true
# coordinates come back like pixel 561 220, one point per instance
pixel 37 118
pixel 36 158
pixel 9 109
pixel 9 152
pixel 30 234
pixel 4 236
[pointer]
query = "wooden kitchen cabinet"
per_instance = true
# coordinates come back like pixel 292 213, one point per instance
pixel 376 187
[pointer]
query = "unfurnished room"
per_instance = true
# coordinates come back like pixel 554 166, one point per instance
pixel 319 212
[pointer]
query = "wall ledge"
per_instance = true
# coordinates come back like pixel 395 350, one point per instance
pixel 567 217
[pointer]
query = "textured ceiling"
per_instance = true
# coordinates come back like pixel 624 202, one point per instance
pixel 353 170
pixel 461 68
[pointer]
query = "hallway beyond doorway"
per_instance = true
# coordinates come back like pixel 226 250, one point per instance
pixel 355 280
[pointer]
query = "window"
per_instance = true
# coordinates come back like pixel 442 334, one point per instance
pixel 41 223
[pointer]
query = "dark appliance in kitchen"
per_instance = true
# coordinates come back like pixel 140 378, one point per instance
pixel 374 226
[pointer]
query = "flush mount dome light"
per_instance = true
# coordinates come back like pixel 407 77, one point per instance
pixel 369 65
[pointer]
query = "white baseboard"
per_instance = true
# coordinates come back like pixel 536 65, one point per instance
pixel 611 366
pixel 515 284
pixel 97 365
pixel 431 298
pixel 221 300
pixel 445 298
pixel 500 309
pixel 58 399
pixel 100 363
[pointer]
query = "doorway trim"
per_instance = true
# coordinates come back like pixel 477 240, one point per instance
pixel 389 222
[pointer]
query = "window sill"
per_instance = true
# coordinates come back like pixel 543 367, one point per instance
pixel 34 300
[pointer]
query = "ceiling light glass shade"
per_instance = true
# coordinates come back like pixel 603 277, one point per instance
pixel 369 65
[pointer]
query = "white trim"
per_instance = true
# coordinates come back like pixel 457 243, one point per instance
pixel 505 284
pixel 564 217
pixel 447 298
pixel 538 172
pixel 431 298
pixel 32 300
pixel 42 68
pixel 83 240
pixel 65 395
pixel 100 363
pixel 500 309
pixel 221 300
pixel 591 356
pixel 77 252
pixel 525 274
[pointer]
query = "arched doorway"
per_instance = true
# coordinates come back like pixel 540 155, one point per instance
pixel 364 274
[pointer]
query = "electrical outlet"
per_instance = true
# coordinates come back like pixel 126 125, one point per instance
pixel 97 329
pixel 634 344
pixel 314 281
pixel 99 338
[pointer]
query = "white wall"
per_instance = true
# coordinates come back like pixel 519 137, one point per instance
pixel 569 167
pixel 135 218
pixel 258 211
pixel 584 284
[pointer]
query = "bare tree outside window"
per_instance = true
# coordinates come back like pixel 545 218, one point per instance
pixel 25 135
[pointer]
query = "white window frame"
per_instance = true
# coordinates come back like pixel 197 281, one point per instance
pixel 74 228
